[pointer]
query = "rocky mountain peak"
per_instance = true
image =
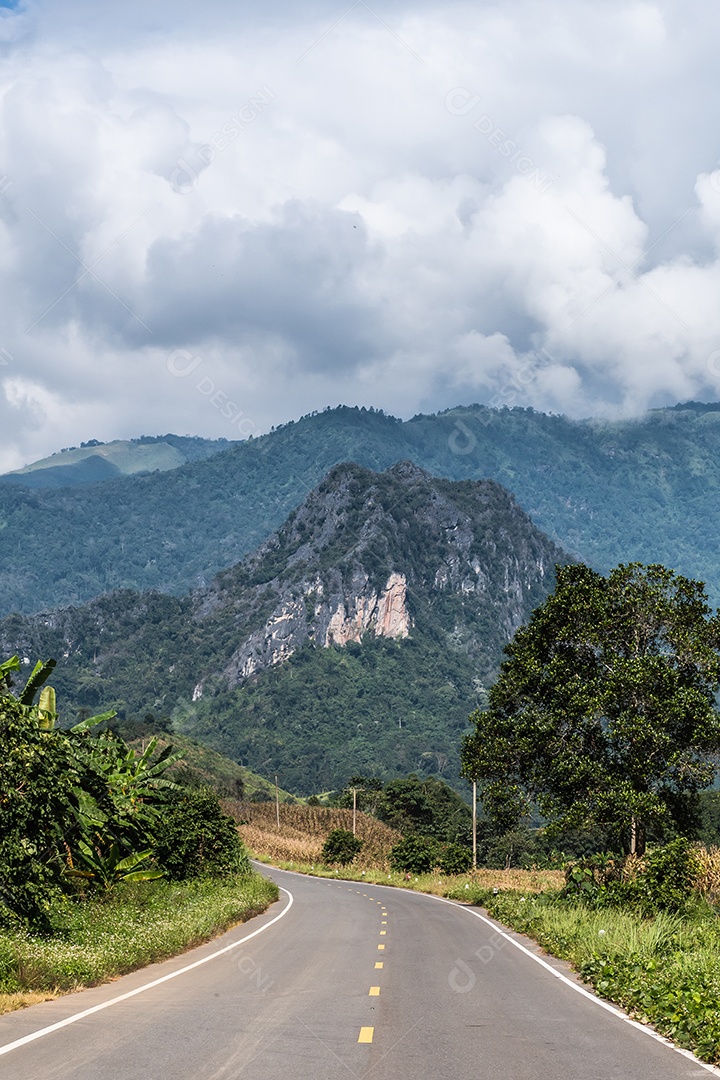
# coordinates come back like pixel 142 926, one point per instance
pixel 385 554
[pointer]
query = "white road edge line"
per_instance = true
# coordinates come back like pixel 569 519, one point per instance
pixel 146 986
pixel 581 989
pixel 548 967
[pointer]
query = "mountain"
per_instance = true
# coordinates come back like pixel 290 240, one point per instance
pixel 357 638
pixel 94 461
pixel 607 492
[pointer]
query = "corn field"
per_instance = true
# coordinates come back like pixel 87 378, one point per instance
pixel 708 877
pixel 303 830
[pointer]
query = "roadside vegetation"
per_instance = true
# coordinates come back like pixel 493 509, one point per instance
pixel 604 719
pixel 106 864
pixel 646 936
pixel 304 830
pixel 106 936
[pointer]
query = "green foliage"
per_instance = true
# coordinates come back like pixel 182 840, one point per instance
pixel 604 712
pixel 108 868
pixel 709 831
pixel 388 709
pixel 428 806
pixel 341 847
pixel 415 855
pixel 73 805
pixel 194 838
pixel 455 859
pixel 668 876
pixel 662 883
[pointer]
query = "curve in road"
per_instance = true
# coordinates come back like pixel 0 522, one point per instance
pixel 349 980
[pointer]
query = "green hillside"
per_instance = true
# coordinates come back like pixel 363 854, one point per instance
pixel 646 490
pixel 201 764
pixel 358 637
pixel 94 461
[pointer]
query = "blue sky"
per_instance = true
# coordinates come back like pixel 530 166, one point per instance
pixel 214 218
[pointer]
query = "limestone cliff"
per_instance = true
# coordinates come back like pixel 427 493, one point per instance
pixel 380 555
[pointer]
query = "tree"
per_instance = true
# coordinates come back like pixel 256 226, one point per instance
pixel 427 806
pixel 604 710
pixel 415 855
pixel 341 846
pixel 196 839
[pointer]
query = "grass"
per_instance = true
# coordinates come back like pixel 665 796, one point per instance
pixel 138 924
pixel 11 1002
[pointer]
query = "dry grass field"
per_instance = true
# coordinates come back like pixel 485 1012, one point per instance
pixel 708 879
pixel 297 845
pixel 303 830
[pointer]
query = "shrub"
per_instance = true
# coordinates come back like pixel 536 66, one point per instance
pixel 415 855
pixel 670 871
pixel 341 847
pixel 455 859
pixel 663 880
pixel 197 839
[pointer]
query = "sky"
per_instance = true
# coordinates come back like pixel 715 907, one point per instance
pixel 216 218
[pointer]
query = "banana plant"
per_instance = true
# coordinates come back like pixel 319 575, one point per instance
pixel 7 669
pixel 109 868
pixel 47 708
pixel 38 677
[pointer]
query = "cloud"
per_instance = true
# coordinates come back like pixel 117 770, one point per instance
pixel 408 207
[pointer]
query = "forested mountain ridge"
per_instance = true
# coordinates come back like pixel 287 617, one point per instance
pixel 646 490
pixel 358 636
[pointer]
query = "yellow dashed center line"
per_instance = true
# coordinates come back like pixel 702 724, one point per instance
pixel 374 991
pixel 381 946
pixel 366 1034
pixel 378 963
pixel 382 932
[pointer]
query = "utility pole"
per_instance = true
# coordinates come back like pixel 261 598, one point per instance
pixel 354 809
pixel 474 825
pixel 277 801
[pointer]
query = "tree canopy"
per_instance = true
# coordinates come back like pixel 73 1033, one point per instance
pixel 604 712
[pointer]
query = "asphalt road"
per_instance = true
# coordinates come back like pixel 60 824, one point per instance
pixel 352 981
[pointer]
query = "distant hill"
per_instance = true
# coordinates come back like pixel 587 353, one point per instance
pixel 94 461
pixel 357 638
pixel 646 490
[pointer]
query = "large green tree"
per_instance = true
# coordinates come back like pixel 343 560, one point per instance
pixel 604 712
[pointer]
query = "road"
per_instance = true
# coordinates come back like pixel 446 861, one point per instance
pixel 341 980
